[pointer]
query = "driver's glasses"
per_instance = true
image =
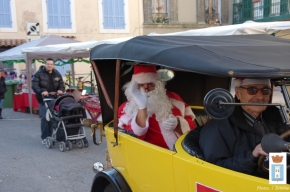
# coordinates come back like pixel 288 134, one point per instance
pixel 254 90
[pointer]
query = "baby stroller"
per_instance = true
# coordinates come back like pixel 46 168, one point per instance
pixel 65 115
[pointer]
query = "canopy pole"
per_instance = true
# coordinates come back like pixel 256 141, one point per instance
pixel 28 72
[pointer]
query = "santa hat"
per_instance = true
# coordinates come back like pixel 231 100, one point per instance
pixel 145 74
pixel 246 81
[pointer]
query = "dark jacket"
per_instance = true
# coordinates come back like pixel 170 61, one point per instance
pixel 3 88
pixel 40 82
pixel 229 142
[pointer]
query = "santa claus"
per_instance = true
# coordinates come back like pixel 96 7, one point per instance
pixel 152 113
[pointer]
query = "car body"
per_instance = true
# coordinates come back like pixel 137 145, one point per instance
pixel 200 64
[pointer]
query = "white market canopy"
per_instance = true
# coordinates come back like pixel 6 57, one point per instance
pixel 71 48
pixel 16 53
pixel 249 27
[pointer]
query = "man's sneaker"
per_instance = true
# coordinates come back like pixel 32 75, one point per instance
pixel 1 117
pixel 43 141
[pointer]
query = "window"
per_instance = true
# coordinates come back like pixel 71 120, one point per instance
pixel 159 11
pixel 5 14
pixel 212 11
pixel 258 10
pixel 114 17
pixel 58 14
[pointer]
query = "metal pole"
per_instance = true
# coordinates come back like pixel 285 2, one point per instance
pixel 28 72
pixel 116 102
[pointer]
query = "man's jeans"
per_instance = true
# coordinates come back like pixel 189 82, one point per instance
pixel 46 129
pixel 1 103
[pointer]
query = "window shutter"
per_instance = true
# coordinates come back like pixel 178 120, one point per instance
pixel 5 13
pixel 108 13
pixel 52 13
pixel 119 14
pixel 64 14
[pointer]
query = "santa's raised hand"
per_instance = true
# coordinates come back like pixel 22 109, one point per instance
pixel 139 95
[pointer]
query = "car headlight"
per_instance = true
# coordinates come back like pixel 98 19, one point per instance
pixel 98 167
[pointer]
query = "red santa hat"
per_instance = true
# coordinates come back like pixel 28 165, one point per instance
pixel 246 81
pixel 145 74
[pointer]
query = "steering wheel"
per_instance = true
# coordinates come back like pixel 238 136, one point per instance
pixel 262 157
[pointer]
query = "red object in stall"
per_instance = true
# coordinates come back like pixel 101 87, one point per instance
pixel 92 105
pixel 256 1
pixel 21 102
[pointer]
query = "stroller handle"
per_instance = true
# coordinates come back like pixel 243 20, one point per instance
pixel 50 96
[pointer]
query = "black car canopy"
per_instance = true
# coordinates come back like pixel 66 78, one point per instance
pixel 238 55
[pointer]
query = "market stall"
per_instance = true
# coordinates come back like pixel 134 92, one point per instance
pixel 21 103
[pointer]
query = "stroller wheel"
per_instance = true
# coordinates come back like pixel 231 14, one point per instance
pixel 68 145
pixel 86 142
pixel 62 146
pixel 80 143
pixel 49 142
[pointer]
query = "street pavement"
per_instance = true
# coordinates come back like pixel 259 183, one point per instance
pixel 28 166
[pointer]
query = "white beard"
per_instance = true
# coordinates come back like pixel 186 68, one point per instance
pixel 158 102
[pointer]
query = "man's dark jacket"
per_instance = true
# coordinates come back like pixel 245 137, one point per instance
pixel 229 142
pixel 40 82
pixel 3 88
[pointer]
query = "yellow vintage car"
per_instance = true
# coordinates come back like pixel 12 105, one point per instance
pixel 200 65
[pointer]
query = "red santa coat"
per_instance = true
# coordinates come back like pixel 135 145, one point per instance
pixel 153 132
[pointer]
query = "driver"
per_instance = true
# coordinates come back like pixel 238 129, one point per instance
pixel 234 142
pixel 151 113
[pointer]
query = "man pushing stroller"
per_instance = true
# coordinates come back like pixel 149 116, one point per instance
pixel 46 80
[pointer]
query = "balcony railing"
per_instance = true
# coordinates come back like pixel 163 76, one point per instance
pixel 265 10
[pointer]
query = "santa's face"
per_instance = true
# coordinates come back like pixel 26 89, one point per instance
pixel 147 86
pixel 158 102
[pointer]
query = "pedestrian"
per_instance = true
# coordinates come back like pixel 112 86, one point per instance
pixel 3 89
pixel 46 80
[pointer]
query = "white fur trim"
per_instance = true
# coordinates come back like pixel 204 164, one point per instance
pixel 180 105
pixel 169 136
pixel 239 82
pixel 139 131
pixel 188 112
pixel 183 124
pixel 124 120
pixel 145 77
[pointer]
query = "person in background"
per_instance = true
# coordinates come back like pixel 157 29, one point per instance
pixel 152 113
pixel 46 80
pixel 3 89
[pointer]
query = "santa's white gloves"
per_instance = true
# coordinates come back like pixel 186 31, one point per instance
pixel 170 123
pixel 139 95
